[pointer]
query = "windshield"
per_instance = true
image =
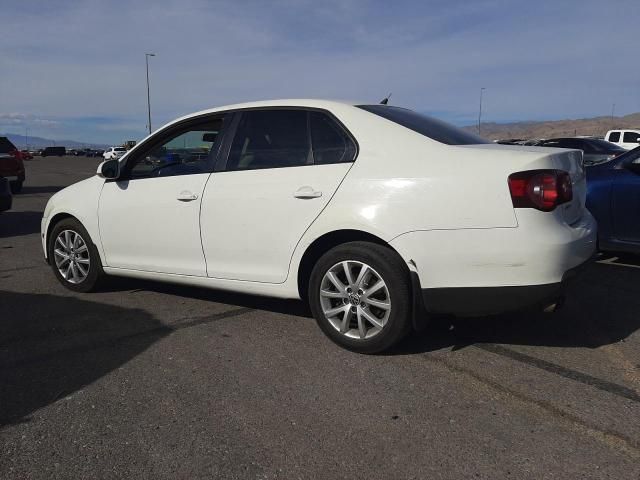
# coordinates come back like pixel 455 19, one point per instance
pixel 428 126
pixel 631 156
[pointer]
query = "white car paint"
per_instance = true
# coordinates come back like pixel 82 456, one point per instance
pixel 625 138
pixel 445 209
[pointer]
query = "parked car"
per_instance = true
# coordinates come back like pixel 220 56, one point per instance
pixel 94 153
pixel 613 197
pixel 54 152
pixel 595 150
pixel 114 152
pixel 5 195
pixel 11 164
pixel 627 139
pixel 26 155
pixel 511 141
pixel 373 214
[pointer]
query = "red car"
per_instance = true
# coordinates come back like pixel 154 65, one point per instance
pixel 26 155
pixel 11 164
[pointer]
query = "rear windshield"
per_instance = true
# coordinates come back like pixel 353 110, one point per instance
pixel 5 145
pixel 429 127
pixel 602 146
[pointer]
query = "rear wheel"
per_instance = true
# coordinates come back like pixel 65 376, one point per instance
pixel 16 187
pixel 360 295
pixel 73 256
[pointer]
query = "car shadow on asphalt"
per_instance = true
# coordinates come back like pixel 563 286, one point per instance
pixel 52 346
pixel 17 224
pixel 270 304
pixel 32 189
pixel 601 308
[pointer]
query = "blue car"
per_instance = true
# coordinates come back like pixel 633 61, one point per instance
pixel 613 197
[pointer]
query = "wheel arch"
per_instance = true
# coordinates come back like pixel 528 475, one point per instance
pixel 57 218
pixel 326 242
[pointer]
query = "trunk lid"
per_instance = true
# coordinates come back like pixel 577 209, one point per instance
pixel 513 159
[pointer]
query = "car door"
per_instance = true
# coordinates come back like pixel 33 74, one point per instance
pixel 630 139
pixel 282 168
pixel 149 218
pixel 625 199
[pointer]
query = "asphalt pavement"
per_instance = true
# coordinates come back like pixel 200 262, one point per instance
pixel 150 380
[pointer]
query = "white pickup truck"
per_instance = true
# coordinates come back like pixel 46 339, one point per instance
pixel 625 138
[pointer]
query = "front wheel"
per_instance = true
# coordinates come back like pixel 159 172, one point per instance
pixel 73 256
pixel 360 295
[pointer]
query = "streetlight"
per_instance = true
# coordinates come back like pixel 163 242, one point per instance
pixel 146 59
pixel 482 89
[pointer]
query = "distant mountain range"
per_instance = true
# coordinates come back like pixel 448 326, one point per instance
pixel 492 131
pixel 556 128
pixel 39 142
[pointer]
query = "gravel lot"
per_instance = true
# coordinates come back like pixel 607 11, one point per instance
pixel 148 380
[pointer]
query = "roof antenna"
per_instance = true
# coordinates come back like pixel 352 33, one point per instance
pixel 385 100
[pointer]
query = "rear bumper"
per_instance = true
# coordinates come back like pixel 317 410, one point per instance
pixel 15 178
pixel 478 301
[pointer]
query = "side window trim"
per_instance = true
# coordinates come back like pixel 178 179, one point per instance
pixel 170 132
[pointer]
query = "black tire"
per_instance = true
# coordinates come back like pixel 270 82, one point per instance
pixel 16 187
pixel 395 274
pixel 95 274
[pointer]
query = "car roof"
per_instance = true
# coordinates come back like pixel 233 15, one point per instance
pixel 284 102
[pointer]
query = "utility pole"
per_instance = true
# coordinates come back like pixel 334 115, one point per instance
pixel 482 89
pixel 613 109
pixel 146 59
pixel 26 138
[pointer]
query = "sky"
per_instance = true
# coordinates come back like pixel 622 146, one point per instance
pixel 75 69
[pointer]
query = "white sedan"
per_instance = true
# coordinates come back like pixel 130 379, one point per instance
pixel 376 215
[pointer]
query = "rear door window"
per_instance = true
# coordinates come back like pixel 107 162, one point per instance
pixel 614 137
pixel 631 137
pixel 271 139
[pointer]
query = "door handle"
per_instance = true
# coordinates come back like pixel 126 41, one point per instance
pixel 307 192
pixel 186 196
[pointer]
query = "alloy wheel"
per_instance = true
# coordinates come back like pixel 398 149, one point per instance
pixel 71 256
pixel 355 299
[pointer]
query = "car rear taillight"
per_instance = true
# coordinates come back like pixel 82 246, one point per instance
pixel 540 189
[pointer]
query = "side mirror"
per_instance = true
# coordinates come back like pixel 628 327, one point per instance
pixel 109 169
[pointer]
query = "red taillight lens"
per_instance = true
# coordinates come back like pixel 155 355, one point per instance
pixel 540 189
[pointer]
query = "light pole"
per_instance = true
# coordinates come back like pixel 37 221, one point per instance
pixel 146 59
pixel 26 138
pixel 482 89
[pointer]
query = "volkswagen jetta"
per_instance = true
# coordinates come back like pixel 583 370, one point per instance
pixel 376 215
